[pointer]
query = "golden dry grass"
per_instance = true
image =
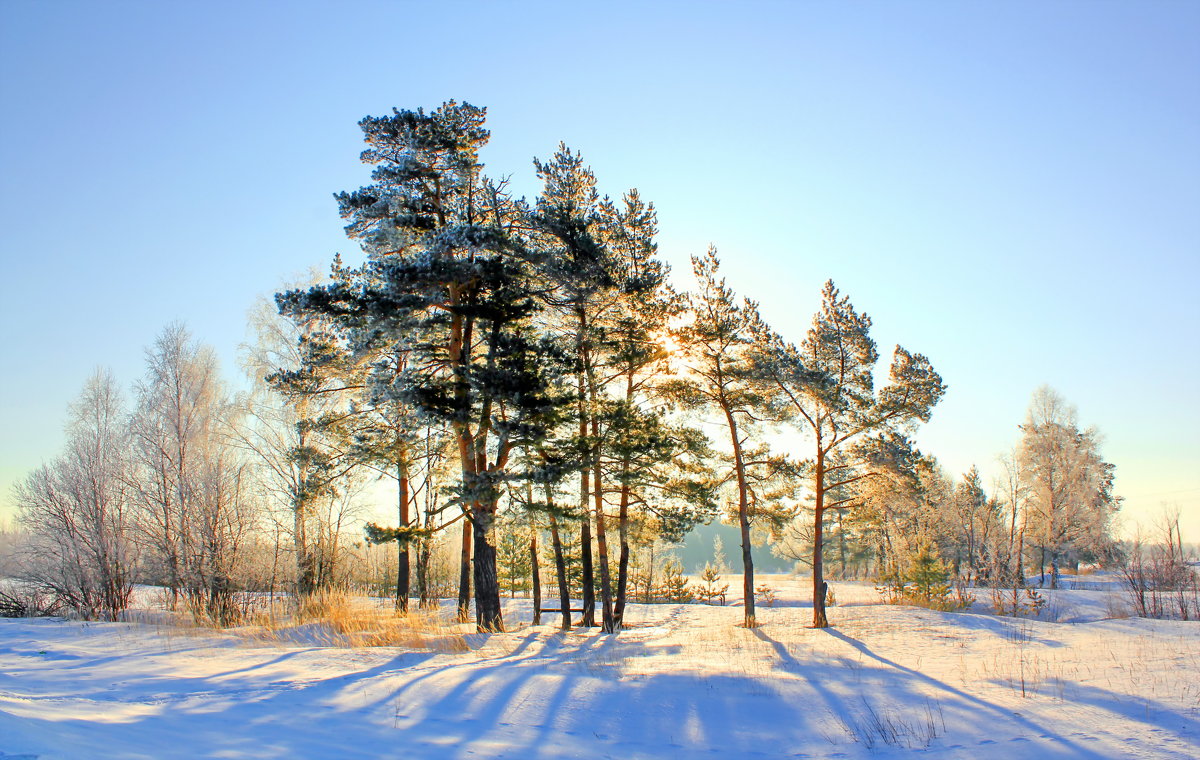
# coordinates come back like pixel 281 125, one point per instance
pixel 335 618
pixel 360 622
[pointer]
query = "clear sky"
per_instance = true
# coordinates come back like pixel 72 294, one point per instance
pixel 1011 188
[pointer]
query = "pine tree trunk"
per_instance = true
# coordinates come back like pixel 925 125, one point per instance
pixel 560 570
pixel 818 569
pixel 623 524
pixel 535 573
pixel 623 562
pixel 402 569
pixel 488 616
pixel 749 620
pixel 306 575
pixel 606 604
pixel 464 575
pixel 819 618
pixel 588 618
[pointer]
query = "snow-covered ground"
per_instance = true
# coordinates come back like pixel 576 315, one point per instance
pixel 683 681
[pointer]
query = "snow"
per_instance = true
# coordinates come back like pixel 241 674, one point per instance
pixel 682 681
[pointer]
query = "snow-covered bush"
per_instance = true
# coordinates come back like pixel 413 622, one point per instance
pixel 1160 581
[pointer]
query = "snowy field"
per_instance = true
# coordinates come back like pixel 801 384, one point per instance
pixel 682 682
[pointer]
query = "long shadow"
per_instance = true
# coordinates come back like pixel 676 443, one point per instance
pixel 485 708
pixel 516 656
pixel 579 708
pixel 792 665
pixel 480 705
pixel 1008 627
pixel 982 704
pixel 1139 709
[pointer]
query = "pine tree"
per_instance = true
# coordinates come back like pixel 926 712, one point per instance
pixel 659 467
pixel 674 586
pixel 825 386
pixel 719 351
pixel 613 304
pixel 293 428
pixel 447 265
pixel 579 267
pixel 927 574
pixel 388 435
pixel 512 554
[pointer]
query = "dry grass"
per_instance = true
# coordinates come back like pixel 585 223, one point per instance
pixel 329 618
pixel 338 619
pixel 875 727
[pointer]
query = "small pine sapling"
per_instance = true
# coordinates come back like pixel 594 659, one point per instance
pixel 927 575
pixel 1034 600
pixel 765 594
pixel 675 587
pixel 890 585
pixel 711 591
pixel 924 582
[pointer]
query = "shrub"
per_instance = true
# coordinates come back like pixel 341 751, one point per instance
pixel 765 595
pixel 1160 581
pixel 28 600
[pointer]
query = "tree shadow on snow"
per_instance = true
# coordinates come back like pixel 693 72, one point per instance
pixel 551 694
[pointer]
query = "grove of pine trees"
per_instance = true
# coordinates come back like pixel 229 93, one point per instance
pixel 526 377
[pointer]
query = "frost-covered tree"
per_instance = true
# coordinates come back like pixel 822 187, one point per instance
pixel 1070 498
pixel 285 427
pixel 195 510
pixel 77 511
pixel 583 288
pixel 1013 491
pixel 977 527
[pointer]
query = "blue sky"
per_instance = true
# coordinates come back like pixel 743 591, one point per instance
pixel 1009 188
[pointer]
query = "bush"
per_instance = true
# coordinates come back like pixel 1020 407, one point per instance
pixel 765 595
pixel 1160 581
pixel 19 600
pixel 1017 601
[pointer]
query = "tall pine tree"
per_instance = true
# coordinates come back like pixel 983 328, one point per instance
pixel 826 388
pixel 446 263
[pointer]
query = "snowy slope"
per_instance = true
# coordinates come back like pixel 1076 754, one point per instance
pixel 684 681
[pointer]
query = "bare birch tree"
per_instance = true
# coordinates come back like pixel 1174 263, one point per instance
pixel 76 509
